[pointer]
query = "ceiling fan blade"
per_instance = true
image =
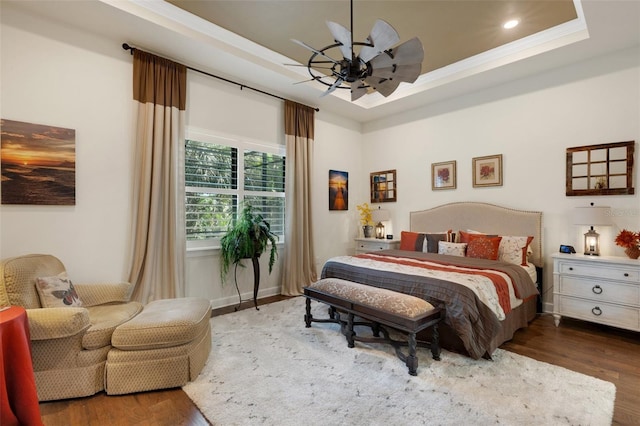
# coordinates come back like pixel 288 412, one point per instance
pixel 343 36
pixel 314 50
pixel 409 52
pixel 407 73
pixel 387 87
pixel 358 91
pixel 333 87
pixel 382 37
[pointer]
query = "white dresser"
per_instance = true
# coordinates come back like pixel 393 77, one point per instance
pixel 602 289
pixel 364 245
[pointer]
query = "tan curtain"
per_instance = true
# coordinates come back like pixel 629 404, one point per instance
pixel 299 267
pixel 158 235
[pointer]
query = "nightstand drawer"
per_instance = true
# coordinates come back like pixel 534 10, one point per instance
pixel 599 290
pixel 603 313
pixel 600 271
pixel 372 245
pixel 364 245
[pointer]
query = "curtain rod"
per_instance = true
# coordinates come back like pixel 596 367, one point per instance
pixel 126 46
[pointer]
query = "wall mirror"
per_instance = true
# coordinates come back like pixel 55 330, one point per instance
pixel 605 169
pixel 383 186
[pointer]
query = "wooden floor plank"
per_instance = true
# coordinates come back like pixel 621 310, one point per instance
pixel 604 352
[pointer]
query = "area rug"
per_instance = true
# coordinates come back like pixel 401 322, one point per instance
pixel 266 368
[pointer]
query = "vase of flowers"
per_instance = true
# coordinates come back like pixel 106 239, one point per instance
pixel 366 219
pixel 630 241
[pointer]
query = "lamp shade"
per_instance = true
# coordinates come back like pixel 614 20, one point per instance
pixel 592 216
pixel 380 215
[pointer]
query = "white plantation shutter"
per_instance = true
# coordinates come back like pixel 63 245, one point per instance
pixel 220 174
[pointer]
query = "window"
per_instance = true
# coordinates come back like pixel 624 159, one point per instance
pixel 221 174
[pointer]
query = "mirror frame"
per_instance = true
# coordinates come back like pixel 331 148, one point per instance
pixel 628 174
pixel 383 193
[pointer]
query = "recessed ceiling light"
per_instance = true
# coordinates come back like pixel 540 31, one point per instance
pixel 510 24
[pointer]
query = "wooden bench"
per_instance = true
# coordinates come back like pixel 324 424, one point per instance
pixel 401 312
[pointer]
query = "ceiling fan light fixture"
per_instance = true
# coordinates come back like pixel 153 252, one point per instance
pixel 377 66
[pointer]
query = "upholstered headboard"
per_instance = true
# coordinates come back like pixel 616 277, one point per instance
pixel 482 217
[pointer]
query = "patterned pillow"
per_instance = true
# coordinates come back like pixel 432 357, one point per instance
pixel 57 292
pixel 483 247
pixel 411 241
pixel 514 249
pixel 452 249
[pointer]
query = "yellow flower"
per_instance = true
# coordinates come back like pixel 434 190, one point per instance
pixel 365 214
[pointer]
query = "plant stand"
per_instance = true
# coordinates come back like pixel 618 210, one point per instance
pixel 256 283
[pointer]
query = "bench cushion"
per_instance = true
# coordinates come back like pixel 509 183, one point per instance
pixel 379 298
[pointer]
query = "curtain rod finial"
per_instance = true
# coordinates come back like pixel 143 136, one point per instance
pixel 126 46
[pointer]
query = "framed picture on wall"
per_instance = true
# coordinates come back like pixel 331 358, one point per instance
pixel 383 186
pixel 38 164
pixel 338 190
pixel 443 175
pixel 487 171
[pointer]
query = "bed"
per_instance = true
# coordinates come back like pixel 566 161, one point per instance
pixel 486 301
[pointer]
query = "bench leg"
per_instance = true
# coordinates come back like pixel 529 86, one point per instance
pixel 435 343
pixel 412 359
pixel 307 317
pixel 350 333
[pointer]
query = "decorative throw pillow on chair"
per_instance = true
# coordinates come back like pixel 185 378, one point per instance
pixel 57 292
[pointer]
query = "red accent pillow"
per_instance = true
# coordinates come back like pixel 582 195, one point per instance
pixel 408 241
pixel 483 247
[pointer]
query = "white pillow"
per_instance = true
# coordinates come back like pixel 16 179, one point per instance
pixel 452 249
pixel 514 249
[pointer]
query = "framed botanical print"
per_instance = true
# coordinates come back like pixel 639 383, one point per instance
pixel 487 171
pixel 443 175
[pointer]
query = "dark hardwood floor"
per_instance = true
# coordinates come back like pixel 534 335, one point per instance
pixel 607 353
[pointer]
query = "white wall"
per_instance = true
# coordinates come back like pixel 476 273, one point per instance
pixel 225 110
pixel 530 122
pixel 55 76
pixel 62 77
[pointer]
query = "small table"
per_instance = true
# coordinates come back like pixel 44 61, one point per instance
pixel 18 395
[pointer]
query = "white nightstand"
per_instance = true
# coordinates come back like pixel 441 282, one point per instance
pixel 364 245
pixel 602 289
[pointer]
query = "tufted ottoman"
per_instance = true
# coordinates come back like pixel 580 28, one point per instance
pixel 164 346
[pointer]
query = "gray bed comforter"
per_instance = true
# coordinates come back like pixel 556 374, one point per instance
pixel 472 320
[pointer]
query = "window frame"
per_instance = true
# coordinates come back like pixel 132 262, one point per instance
pixel 242 145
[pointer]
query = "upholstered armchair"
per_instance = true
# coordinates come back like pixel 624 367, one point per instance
pixel 69 343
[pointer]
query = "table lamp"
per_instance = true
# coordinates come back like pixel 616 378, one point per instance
pixel 380 216
pixel 592 216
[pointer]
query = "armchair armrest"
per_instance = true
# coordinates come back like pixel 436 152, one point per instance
pixel 102 293
pixel 56 323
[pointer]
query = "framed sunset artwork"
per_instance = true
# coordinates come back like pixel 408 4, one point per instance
pixel 338 190
pixel 38 164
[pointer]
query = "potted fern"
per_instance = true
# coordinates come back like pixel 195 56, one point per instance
pixel 247 238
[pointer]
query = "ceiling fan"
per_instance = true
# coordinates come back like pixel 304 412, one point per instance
pixel 378 66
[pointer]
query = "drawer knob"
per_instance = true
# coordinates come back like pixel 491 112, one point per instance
pixel 570 268
pixel 596 311
pixel 597 289
pixel 626 274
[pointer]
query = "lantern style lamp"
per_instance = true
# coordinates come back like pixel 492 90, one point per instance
pixel 592 216
pixel 380 216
